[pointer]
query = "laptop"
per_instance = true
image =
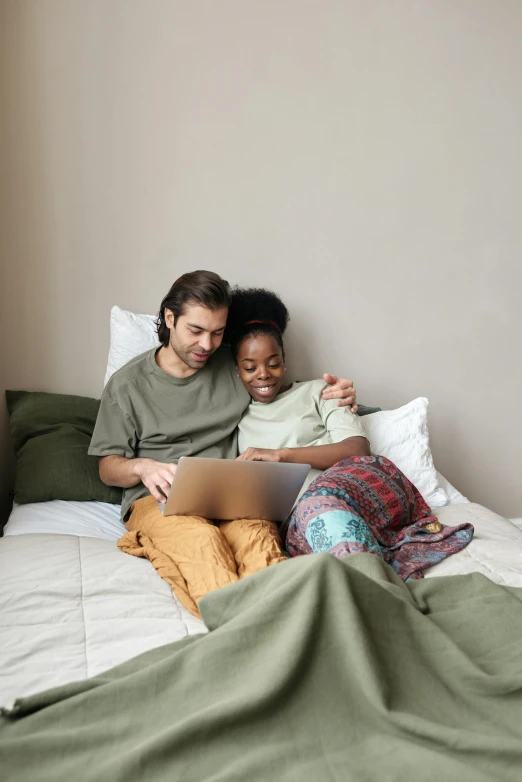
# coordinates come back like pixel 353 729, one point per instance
pixel 225 489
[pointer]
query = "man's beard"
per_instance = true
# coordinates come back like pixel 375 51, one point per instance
pixel 185 354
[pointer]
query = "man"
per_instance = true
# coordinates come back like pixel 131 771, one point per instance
pixel 183 399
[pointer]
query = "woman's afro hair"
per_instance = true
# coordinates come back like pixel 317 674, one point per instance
pixel 255 304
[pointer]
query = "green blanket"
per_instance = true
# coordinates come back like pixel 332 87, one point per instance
pixel 316 669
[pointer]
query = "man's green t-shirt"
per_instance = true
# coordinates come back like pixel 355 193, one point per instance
pixel 145 412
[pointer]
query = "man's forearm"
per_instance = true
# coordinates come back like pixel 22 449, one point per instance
pixel 320 457
pixel 120 471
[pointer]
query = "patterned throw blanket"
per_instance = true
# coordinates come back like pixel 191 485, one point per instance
pixel 366 504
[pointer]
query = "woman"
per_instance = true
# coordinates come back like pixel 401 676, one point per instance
pixel 361 502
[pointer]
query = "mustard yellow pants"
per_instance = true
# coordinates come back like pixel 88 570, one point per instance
pixel 195 555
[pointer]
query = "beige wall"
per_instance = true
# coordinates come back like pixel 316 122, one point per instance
pixel 362 158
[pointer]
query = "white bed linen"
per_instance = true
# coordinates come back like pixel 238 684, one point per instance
pixel 58 517
pixel 495 551
pixel 454 494
pixel 72 607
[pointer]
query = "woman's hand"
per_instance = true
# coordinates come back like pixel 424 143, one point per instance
pixel 341 389
pixel 261 455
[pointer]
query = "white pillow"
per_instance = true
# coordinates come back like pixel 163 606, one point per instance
pixel 455 497
pixel 131 335
pixel 402 436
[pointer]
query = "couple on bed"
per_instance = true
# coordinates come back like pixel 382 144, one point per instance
pixel 194 396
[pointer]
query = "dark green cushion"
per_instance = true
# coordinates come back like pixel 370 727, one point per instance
pixel 51 434
pixel 363 410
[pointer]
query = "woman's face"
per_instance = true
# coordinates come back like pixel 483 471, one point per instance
pixel 261 365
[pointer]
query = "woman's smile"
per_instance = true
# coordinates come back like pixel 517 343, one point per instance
pixel 264 391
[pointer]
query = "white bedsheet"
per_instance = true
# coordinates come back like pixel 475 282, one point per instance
pixel 454 494
pixel 495 551
pixel 58 517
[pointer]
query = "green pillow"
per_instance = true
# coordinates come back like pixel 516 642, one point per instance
pixel 51 434
pixel 363 410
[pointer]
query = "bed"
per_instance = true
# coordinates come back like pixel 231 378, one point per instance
pixel 73 605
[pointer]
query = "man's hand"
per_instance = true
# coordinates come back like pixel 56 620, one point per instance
pixel 261 455
pixel 156 476
pixel 341 389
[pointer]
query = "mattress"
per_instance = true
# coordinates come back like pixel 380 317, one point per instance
pixel 72 605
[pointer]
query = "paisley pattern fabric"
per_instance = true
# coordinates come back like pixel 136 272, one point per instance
pixel 366 504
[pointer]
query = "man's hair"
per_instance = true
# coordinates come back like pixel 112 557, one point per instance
pixel 206 289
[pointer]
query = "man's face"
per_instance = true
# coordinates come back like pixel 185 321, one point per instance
pixel 197 334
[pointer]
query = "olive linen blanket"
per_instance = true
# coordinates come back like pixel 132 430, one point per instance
pixel 316 669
